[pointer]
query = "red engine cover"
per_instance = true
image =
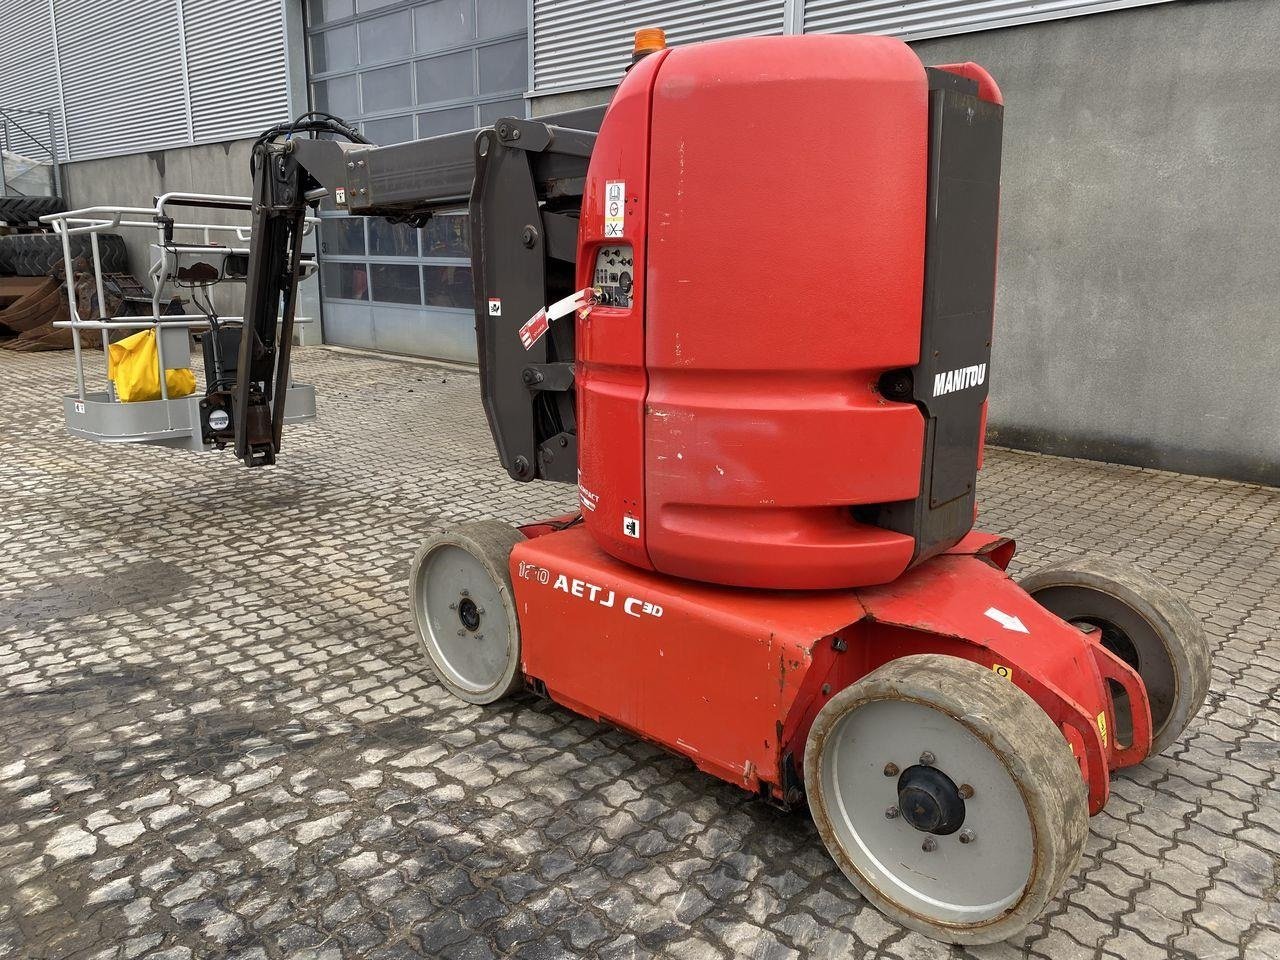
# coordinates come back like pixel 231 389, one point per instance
pixel 775 209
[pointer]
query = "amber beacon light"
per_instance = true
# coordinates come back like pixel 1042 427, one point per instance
pixel 648 40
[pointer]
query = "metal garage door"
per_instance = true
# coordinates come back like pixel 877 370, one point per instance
pixel 406 70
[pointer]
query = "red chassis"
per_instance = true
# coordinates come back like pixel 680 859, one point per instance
pixel 733 678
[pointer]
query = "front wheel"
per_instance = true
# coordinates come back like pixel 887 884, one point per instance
pixel 1144 624
pixel 947 796
pixel 461 596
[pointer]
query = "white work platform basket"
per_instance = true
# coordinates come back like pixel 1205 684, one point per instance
pixel 188 261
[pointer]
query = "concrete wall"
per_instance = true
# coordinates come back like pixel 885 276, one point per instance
pixel 1139 278
pixel 135 180
pixel 1139 287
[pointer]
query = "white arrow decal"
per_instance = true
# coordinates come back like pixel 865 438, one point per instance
pixel 1006 621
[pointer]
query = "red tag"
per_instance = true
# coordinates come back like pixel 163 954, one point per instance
pixel 534 328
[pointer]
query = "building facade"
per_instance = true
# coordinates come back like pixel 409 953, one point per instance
pixel 1137 284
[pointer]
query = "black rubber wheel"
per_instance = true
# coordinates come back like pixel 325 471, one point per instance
pixel 947 796
pixel 1143 623
pixel 40 254
pixel 464 610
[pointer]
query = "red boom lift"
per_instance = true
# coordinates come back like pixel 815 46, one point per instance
pixel 770 268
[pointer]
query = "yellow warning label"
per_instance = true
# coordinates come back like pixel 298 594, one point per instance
pixel 1102 727
pixel 1001 670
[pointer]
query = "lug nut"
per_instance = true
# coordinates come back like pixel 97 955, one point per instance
pixel 890 812
pixel 967 836
pixel 928 759
pixel 890 769
pixel 929 845
pixel 966 791
pixel 480 610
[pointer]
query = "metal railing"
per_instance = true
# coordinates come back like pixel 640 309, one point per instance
pixel 97 219
pixel 22 129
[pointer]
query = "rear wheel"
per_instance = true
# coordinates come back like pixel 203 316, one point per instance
pixel 1144 624
pixel 947 796
pixel 461 596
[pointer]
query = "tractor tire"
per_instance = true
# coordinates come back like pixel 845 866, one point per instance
pixel 464 610
pixel 1145 624
pixel 947 796
pixel 40 254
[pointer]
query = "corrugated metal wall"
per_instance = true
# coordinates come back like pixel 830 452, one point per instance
pixel 28 70
pixel 579 44
pixel 584 43
pixel 919 19
pixel 236 62
pixel 137 75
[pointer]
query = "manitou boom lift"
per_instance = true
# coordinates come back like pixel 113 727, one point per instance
pixel 747 310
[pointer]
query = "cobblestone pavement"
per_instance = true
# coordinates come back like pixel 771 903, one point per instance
pixel 218 738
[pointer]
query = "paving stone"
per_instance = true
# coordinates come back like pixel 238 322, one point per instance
pixel 218 736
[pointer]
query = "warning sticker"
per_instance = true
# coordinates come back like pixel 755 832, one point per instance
pixel 1102 727
pixel 615 207
pixel 1001 670
pixel 631 527
pixel 340 195
pixel 495 307
pixel 534 328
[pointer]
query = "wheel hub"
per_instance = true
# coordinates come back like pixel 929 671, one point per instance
pixel 469 614
pixel 930 801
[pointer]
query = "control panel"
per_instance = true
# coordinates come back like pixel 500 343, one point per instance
pixel 614 276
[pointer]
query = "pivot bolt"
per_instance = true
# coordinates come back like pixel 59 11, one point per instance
pixel 929 845
pixel 967 836
pixel 891 769
pixel 927 759
pixel 966 791
pixel 890 813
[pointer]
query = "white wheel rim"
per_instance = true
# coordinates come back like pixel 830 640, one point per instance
pixel 472 647
pixel 956 883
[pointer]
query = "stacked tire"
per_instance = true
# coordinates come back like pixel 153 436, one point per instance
pixel 40 254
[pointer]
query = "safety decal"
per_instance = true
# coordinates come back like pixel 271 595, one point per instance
pixel 1000 670
pixel 495 307
pixel 536 326
pixel 1102 727
pixel 631 527
pixel 615 207
pixel 1006 620
pixel 340 195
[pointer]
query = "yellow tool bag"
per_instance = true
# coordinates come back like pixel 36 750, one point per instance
pixel 134 368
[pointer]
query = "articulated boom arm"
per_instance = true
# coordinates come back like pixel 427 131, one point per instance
pixel 523 182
